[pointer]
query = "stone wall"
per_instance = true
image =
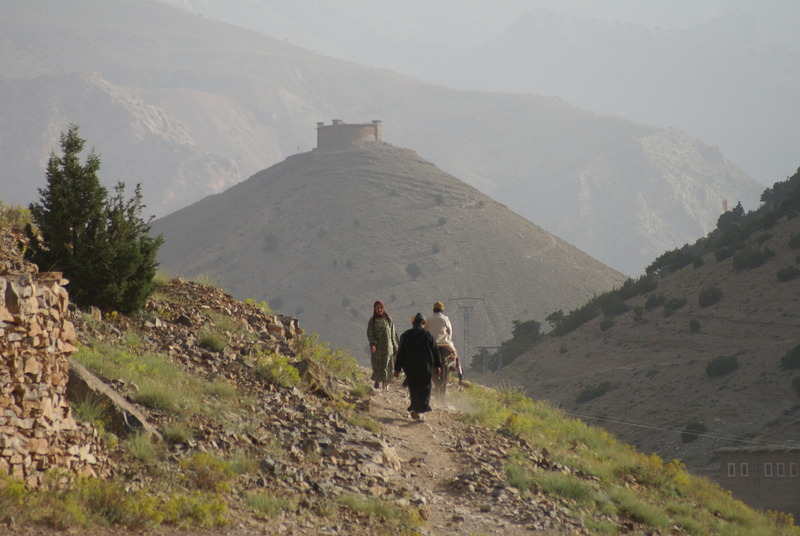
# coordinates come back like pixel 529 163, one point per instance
pixel 37 430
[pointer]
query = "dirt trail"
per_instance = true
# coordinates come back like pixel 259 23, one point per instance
pixel 434 455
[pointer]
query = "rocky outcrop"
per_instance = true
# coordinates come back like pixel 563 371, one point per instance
pixel 37 430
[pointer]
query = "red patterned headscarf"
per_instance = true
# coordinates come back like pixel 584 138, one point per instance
pixel 376 315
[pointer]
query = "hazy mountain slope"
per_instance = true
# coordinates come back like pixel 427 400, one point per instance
pixel 188 106
pixel 720 70
pixel 656 366
pixel 714 81
pixel 326 233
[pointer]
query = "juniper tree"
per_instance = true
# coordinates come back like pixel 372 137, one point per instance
pixel 101 244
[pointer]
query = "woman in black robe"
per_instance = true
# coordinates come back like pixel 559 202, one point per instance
pixel 419 358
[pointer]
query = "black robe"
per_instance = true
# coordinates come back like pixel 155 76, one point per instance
pixel 418 356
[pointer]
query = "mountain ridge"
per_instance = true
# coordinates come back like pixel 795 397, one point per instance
pixel 246 101
pixel 326 233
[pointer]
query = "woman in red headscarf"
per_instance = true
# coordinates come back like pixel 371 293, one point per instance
pixel 382 345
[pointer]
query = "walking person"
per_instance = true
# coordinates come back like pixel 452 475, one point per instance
pixel 418 357
pixel 439 326
pixel 383 345
pixel 442 330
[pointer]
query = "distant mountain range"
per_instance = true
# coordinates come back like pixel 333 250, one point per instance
pixel 720 70
pixel 189 107
pixel 324 234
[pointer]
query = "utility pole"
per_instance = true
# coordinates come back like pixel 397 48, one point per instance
pixel 466 305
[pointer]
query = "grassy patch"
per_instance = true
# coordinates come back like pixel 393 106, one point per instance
pixel 602 471
pixel 268 504
pixel 374 507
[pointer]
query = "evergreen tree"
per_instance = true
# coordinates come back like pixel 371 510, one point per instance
pixel 101 244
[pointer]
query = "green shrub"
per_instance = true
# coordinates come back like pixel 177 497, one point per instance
pixel 207 472
pixel 211 341
pixel 438 199
pixel 796 384
pixel 788 273
pixel 747 258
pixel 266 503
pixel 275 369
pixel 675 303
pixel 722 365
pixel 692 430
pixel 709 296
pixel 791 359
pixel 794 241
pixel 593 391
pixel 694 325
pixel 14 217
pixel 442 220
pixel 176 433
pixel 413 270
pixel 375 507
pixel 612 304
pixel 671 261
pixel 606 324
pixel 568 486
pixel 654 300
pixel 99 241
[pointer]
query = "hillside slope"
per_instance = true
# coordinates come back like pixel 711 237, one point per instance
pixel 324 234
pixel 648 370
pixel 271 433
pixel 188 106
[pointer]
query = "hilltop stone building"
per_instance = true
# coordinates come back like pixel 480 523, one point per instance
pixel 339 135
pixel 763 477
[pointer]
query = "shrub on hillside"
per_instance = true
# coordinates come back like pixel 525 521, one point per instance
pixel 722 365
pixel 692 431
pixel 612 305
pixel 413 270
pixel 673 304
pixel 593 391
pixel 788 273
pixel 100 242
pixel 694 325
pixel 606 324
pixel 794 241
pixel 654 300
pixel 671 261
pixel 14 217
pixel 709 296
pixel 748 258
pixel 576 318
pixel 796 384
pixel 791 359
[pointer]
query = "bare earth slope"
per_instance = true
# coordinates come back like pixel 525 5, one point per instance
pixel 656 365
pixel 324 234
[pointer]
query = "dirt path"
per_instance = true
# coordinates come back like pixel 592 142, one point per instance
pixel 438 458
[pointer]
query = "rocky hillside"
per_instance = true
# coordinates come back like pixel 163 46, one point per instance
pixel 324 234
pixel 258 429
pixel 674 358
pixel 187 107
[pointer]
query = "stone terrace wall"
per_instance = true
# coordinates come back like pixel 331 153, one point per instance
pixel 37 431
